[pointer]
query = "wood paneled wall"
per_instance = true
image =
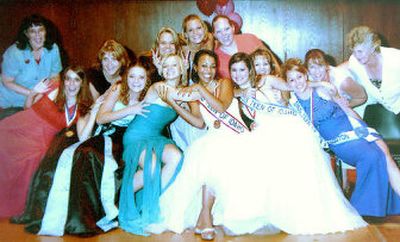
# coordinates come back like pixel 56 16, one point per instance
pixel 289 27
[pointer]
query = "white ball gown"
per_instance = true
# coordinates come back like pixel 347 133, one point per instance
pixel 275 177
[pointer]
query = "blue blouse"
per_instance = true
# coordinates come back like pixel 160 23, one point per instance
pixel 21 65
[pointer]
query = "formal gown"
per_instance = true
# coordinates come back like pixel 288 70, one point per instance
pixel 219 160
pixel 372 195
pixel 85 204
pixel 274 178
pixel 137 210
pixel 303 194
pixel 26 136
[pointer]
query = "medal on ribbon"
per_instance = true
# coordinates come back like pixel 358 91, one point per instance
pixel 69 133
pixel 217 124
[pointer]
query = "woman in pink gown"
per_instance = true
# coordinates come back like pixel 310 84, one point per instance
pixel 26 136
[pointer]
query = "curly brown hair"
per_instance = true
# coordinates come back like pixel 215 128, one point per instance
pixel 144 63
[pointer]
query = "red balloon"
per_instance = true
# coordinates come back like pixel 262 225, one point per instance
pixel 207 7
pixel 225 9
pixel 222 2
pixel 237 21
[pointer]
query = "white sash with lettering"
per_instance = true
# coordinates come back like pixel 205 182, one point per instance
pixel 267 108
pixel 225 118
pixel 300 111
pixel 359 132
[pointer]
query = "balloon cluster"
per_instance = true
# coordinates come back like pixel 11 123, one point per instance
pixel 221 7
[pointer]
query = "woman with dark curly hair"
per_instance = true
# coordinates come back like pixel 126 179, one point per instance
pixel 33 57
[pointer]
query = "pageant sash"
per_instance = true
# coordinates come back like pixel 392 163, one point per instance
pixel 300 111
pixel 56 211
pixel 107 188
pixel 359 132
pixel 224 118
pixel 254 104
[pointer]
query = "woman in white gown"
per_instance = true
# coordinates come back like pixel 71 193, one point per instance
pixel 258 186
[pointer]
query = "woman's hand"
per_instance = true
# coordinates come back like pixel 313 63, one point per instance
pixel 342 101
pixel 185 58
pixel 188 91
pixel 164 94
pixel 253 126
pixel 248 93
pixel 157 60
pixel 96 105
pixel 139 109
pixel 42 86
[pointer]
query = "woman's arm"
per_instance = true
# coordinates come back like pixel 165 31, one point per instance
pixel 193 116
pixel 223 98
pixel 106 113
pixel 85 124
pixel 325 87
pixel 31 99
pixel 331 91
pixel 357 94
pixel 93 91
pixel 9 82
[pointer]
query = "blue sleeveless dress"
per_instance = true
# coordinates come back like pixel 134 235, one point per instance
pixel 137 210
pixel 373 195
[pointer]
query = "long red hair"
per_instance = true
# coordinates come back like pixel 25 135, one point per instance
pixel 84 98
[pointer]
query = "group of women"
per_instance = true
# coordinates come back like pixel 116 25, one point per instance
pixel 243 155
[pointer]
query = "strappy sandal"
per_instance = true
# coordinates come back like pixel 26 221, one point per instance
pixel 208 234
pixel 197 230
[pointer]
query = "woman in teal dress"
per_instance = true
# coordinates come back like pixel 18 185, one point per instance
pixel 152 161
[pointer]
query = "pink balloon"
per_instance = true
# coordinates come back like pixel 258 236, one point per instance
pixel 237 21
pixel 226 9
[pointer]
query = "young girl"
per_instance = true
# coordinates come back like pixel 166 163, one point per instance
pixel 350 139
pixel 26 136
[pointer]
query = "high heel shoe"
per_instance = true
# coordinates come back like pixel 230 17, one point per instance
pixel 208 234
pixel 197 231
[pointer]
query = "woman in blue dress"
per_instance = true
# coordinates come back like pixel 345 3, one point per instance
pixel 34 57
pixel 151 159
pixel 349 138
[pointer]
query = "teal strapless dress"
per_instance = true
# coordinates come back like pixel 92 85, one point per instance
pixel 137 210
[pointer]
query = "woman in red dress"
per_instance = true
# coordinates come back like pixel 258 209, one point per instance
pixel 26 136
